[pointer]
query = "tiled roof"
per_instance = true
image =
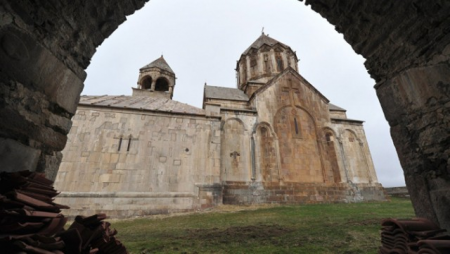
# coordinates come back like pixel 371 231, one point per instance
pixel 335 108
pixel 263 39
pixel 159 63
pixel 140 103
pixel 417 235
pixel 225 93
pixel 34 223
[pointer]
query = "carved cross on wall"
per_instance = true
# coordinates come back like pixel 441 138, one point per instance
pixel 234 155
pixel 291 90
pixel 122 138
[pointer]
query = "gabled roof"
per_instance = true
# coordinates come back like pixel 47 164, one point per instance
pixel 159 63
pixel 263 39
pixel 295 73
pixel 333 107
pixel 224 93
pixel 140 103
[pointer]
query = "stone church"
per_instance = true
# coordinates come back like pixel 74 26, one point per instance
pixel 273 139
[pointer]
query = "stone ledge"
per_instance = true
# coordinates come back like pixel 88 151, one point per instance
pixel 127 194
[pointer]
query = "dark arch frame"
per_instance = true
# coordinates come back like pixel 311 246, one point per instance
pixel 146 82
pixel 405 44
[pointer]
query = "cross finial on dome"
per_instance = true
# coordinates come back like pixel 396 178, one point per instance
pixel 262 31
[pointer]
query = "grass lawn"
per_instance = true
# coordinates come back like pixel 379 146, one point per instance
pixel 319 228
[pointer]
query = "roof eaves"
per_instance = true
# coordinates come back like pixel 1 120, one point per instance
pixel 347 120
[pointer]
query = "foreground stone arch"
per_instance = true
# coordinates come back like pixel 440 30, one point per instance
pixel 46 45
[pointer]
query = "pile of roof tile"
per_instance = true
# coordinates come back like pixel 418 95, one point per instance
pixel 415 236
pixel 30 222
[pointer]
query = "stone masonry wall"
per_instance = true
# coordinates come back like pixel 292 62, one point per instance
pixel 300 193
pixel 236 151
pixel 45 47
pixel 296 113
pixel 138 163
pixel 353 152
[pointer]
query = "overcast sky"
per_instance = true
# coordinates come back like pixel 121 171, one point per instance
pixel 202 39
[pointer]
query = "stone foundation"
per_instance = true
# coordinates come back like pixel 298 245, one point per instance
pixel 136 204
pixel 244 193
pixel 401 192
pixel 209 195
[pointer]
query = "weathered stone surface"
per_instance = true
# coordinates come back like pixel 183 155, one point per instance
pixel 160 154
pixel 24 117
pixel 397 192
pixel 50 164
pixel 417 105
pixel 127 204
pixel 245 193
pixel 44 48
pixel 35 67
pixel 14 155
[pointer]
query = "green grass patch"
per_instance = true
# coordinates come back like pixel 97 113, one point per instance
pixel 318 228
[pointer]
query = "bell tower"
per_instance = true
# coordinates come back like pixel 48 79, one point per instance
pixel 156 79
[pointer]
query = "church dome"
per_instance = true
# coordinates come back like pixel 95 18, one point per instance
pixel 264 59
pixel 261 41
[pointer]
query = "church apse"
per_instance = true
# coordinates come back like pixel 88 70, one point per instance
pixel 357 164
pixel 299 150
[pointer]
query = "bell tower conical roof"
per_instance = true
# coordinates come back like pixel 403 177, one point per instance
pixel 159 63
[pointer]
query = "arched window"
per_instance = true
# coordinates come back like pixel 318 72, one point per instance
pixel 146 83
pixel 280 65
pixel 162 85
pixel 244 72
pixel 266 63
pixel 253 64
pixel 253 60
pixel 296 131
pixel 328 137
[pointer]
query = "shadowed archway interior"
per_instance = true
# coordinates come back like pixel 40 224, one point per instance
pixel 45 48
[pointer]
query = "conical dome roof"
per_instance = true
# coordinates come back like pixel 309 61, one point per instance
pixel 159 63
pixel 263 39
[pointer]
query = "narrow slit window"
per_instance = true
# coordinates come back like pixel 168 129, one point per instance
pixel 280 65
pixel 296 126
pixel 129 143
pixel 120 144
